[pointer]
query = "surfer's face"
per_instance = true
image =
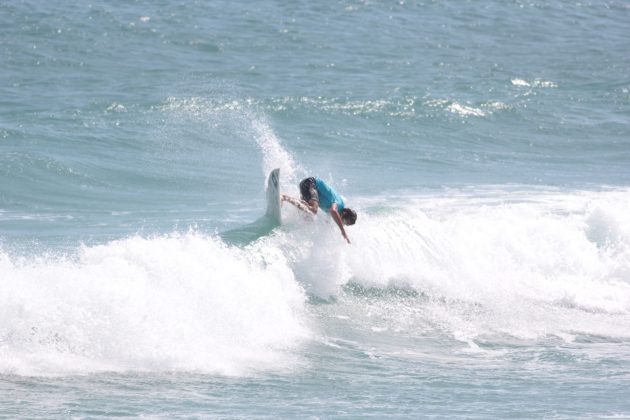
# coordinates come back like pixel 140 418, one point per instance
pixel 349 217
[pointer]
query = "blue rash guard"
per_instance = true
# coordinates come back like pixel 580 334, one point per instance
pixel 328 196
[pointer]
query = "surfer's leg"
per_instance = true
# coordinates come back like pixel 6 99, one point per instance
pixel 310 197
pixel 308 190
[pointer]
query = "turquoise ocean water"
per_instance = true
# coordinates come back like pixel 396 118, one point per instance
pixel 484 144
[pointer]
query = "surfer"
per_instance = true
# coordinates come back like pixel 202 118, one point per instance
pixel 317 194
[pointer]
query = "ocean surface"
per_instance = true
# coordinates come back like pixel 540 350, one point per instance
pixel 485 146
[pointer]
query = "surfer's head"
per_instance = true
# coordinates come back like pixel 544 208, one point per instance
pixel 348 216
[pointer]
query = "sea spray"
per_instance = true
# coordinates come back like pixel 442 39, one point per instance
pixel 274 155
pixel 225 120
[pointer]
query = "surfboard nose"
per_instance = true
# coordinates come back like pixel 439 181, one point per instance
pixel 273 197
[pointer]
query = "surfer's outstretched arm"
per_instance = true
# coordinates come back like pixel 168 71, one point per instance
pixel 337 218
pixel 301 204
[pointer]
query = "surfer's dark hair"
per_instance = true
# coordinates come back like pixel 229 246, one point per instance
pixel 349 216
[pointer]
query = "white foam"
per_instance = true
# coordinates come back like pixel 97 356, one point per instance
pixel 522 263
pixel 520 82
pixel 465 111
pixel 178 302
pixel 534 83
pixel 525 264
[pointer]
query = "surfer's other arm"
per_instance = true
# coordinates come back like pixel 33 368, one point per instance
pixel 305 206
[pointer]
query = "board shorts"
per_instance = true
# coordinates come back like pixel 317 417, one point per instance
pixel 308 190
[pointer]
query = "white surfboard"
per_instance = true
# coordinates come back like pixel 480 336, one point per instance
pixel 273 197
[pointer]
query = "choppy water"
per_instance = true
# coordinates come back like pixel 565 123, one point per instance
pixel 484 145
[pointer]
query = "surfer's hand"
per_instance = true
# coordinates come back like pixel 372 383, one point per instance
pixel 346 237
